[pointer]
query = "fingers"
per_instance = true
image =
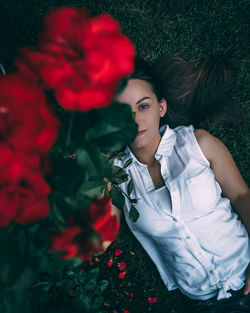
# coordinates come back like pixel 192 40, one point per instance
pixel 247 285
pixel 247 288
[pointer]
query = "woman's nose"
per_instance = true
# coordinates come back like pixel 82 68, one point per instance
pixel 137 117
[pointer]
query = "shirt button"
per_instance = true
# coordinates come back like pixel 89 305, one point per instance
pixel 211 272
pixel 174 219
pixel 188 237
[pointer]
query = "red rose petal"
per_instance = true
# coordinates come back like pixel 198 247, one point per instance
pixel 122 275
pixel 79 57
pixel 131 295
pixel 122 266
pixel 118 252
pixel 150 300
pixel 110 262
pixel 155 299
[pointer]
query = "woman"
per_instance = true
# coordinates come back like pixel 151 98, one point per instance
pixel 186 182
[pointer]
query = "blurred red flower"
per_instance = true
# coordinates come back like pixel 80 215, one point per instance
pixel 81 59
pixel 24 200
pixel 122 275
pixel 27 132
pixel 152 300
pixel 118 252
pixel 103 222
pixel 26 122
pixel 122 266
pixel 110 263
pixel 74 241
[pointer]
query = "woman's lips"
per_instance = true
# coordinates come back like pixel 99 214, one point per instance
pixel 141 132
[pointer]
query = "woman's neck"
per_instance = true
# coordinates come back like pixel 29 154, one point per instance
pixel 146 154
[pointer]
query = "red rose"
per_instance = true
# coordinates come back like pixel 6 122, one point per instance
pixel 11 165
pixel 81 59
pixel 74 241
pixel 24 200
pixel 26 123
pixel 122 266
pixel 110 263
pixel 118 252
pixel 103 222
pixel 122 275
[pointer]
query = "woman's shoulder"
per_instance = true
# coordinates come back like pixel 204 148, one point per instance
pixel 198 142
pixel 209 144
pixel 203 137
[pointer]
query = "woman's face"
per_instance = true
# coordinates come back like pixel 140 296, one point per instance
pixel 140 96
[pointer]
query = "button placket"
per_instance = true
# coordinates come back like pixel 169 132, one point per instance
pixel 175 201
pixel 200 255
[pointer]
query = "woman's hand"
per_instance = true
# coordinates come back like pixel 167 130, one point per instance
pixel 247 285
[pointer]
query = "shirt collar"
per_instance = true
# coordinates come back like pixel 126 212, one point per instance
pixel 164 149
pixel 167 141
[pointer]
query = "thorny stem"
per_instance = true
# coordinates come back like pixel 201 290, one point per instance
pixel 116 186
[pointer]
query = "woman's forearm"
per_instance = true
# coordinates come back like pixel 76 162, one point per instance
pixel 242 207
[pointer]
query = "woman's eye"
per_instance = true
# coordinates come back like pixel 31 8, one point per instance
pixel 143 107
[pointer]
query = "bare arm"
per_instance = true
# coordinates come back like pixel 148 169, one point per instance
pixel 231 182
pixel 226 173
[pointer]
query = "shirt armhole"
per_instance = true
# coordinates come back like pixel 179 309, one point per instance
pixel 195 144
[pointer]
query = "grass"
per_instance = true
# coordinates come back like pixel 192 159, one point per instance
pixel 189 29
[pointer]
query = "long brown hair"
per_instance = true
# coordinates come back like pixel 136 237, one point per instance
pixel 197 91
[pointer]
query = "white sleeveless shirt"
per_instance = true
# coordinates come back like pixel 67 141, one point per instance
pixel 197 241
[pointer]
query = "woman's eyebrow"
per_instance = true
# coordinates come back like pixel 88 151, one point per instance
pixel 144 98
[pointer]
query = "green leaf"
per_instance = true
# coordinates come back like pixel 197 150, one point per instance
pixel 121 87
pixel 94 273
pixel 127 163
pixel 97 303
pixel 120 154
pixel 117 197
pixel 117 180
pixel 90 159
pixel 118 175
pixel 86 301
pixel 92 188
pixel 134 201
pixel 42 284
pixel 103 284
pixel 76 261
pixel 116 130
pixel 14 297
pixel 101 130
pixel 12 262
pixel 130 187
pixel 56 211
pixel 116 170
pixel 90 286
pixel 82 279
pixel 52 265
pixel 133 213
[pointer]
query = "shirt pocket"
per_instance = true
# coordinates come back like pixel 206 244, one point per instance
pixel 204 192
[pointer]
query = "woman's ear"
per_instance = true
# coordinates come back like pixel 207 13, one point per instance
pixel 163 107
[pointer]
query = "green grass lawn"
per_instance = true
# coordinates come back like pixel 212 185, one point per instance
pixel 189 29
